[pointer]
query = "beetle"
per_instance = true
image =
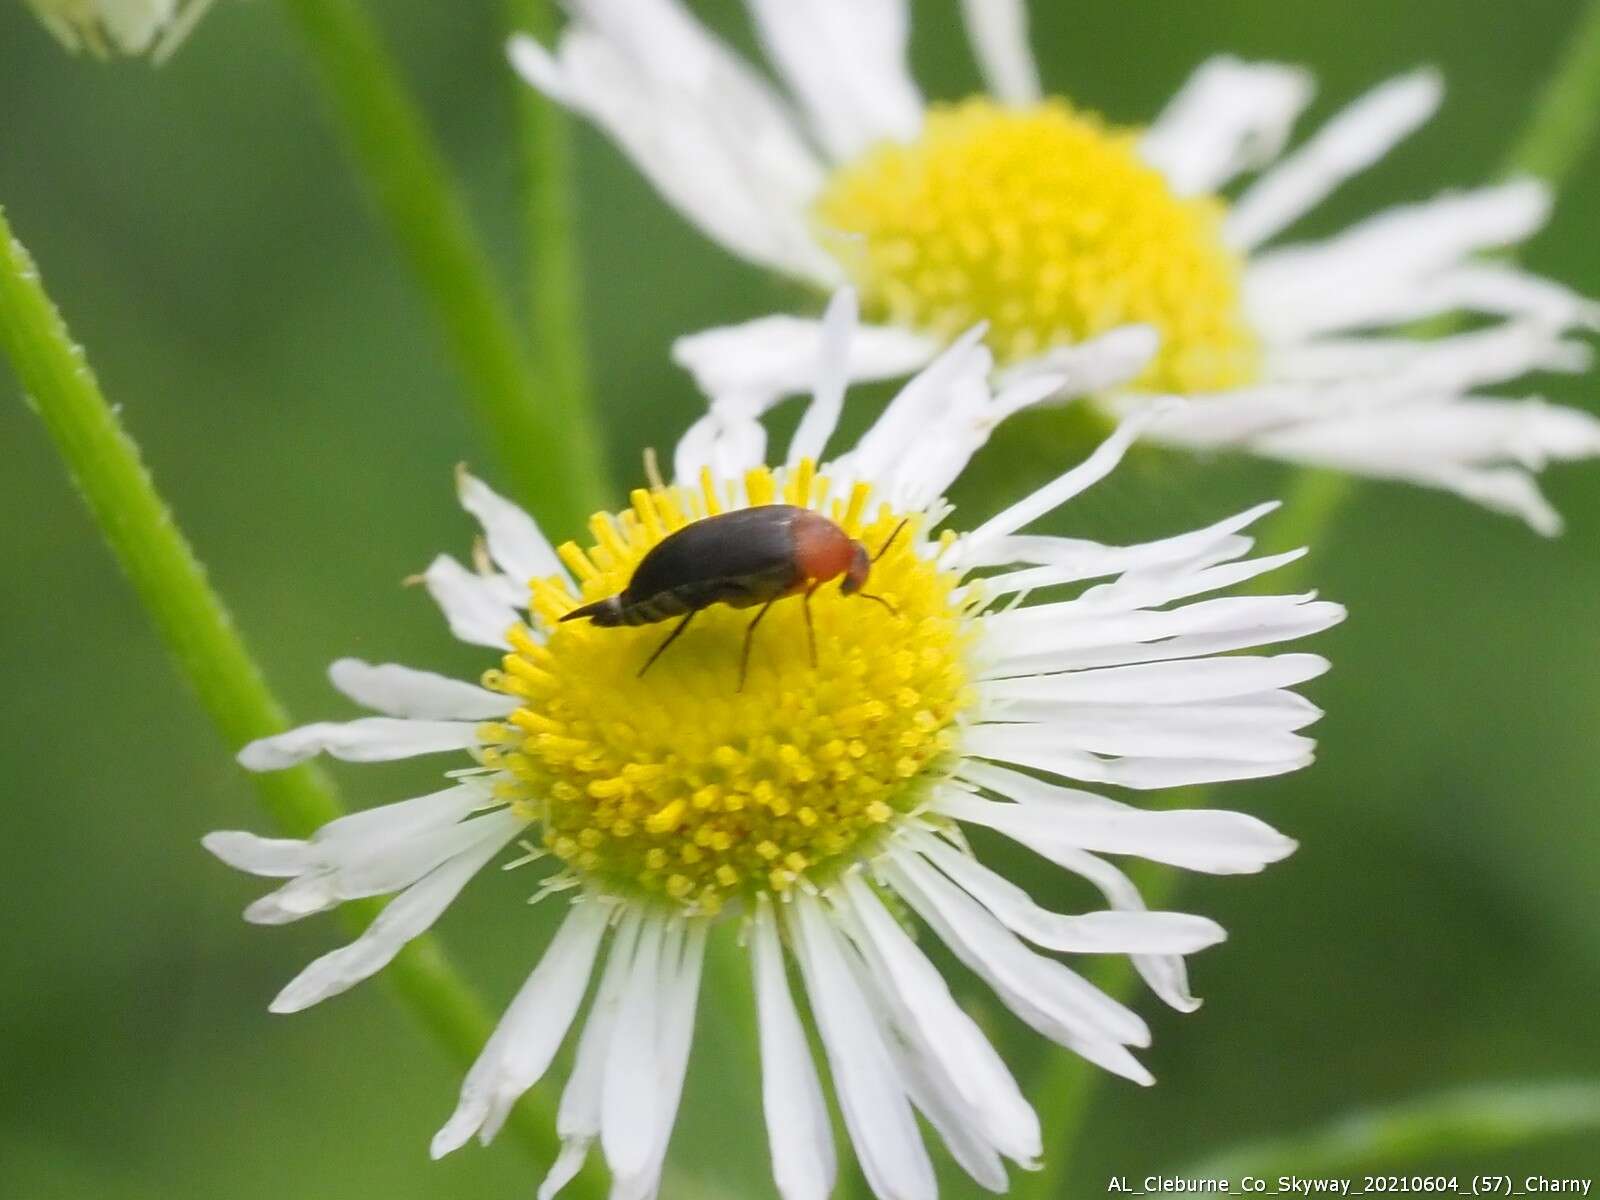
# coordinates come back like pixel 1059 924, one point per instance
pixel 742 558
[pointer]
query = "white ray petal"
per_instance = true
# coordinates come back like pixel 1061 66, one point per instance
pixel 1348 144
pixel 1214 841
pixel 699 126
pixel 565 1169
pixel 399 691
pixel 542 71
pixel 871 1095
pixel 474 606
pixel 1484 288
pixel 531 1031
pixel 1508 290
pixel 1508 490
pixel 965 1056
pixel 1151 589
pixel 629 1103
pixel 1026 789
pixel 1042 628
pixel 304 896
pixel 839 328
pixel 1528 433
pixel 940 448
pixel 515 540
pixel 1277 710
pixel 1141 731
pixel 1042 992
pixel 1404 366
pixel 957 377
pixel 975 1138
pixel 1166 974
pixel 846 62
pixel 1085 475
pixel 992 951
pixel 768 358
pixel 952 1118
pixel 268 857
pixel 406 916
pixel 1295 619
pixel 1288 287
pixel 700 121
pixel 931 1090
pixel 998 31
pixel 353 871
pixel 578 1118
pixel 724 441
pixel 1027 749
pixel 682 959
pixel 1067 560
pixel 1182 682
pixel 366 739
pixel 410 818
pixel 1079 369
pixel 804 1165
pixel 1231 116
pixel 1087 933
pixel 1231 419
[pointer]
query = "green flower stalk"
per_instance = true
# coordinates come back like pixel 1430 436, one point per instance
pixel 195 624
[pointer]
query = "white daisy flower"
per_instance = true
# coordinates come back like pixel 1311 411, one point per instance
pixel 1055 226
pixel 121 26
pixel 820 792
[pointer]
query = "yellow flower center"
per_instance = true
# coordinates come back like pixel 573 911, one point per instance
pixel 682 787
pixel 1046 223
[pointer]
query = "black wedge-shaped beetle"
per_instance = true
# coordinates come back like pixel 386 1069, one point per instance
pixel 743 558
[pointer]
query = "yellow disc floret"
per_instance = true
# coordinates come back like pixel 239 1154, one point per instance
pixel 680 786
pixel 1046 223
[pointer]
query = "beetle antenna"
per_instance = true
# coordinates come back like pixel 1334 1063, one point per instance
pixel 880 600
pixel 884 549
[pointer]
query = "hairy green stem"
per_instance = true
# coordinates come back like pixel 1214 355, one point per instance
pixel 1558 133
pixel 196 627
pixel 544 435
pixel 1470 1120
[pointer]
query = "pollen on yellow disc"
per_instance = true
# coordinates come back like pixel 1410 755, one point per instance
pixel 1045 222
pixel 679 786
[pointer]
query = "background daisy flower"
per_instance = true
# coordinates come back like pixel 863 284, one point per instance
pixel 121 26
pixel 1055 226
pixel 818 803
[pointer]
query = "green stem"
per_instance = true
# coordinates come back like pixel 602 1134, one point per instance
pixel 1561 125
pixel 1474 1120
pixel 1558 133
pixel 551 275
pixel 196 627
pixel 545 435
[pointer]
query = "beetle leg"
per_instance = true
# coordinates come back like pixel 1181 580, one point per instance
pixel 749 635
pixel 811 630
pixel 671 637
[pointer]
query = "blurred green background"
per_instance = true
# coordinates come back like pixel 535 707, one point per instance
pixel 200 228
